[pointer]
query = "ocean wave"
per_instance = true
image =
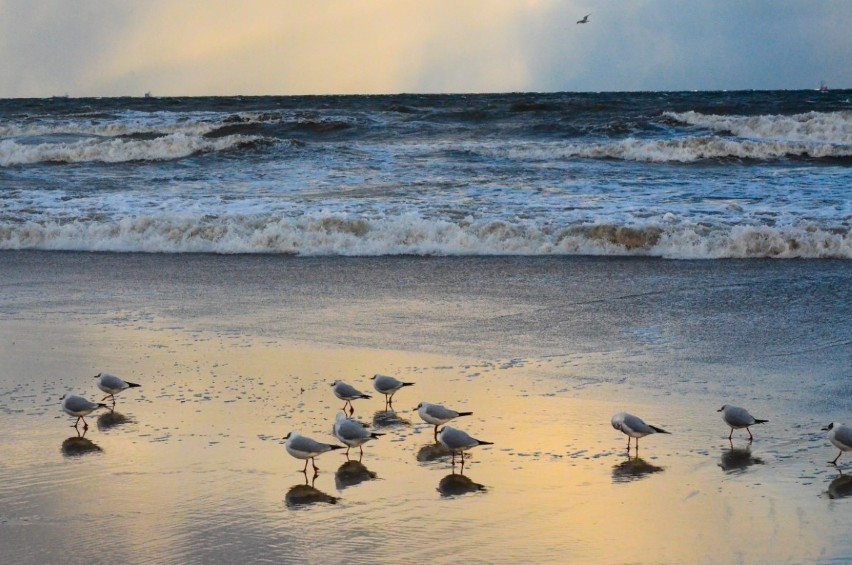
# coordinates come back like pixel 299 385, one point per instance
pixel 130 124
pixel 411 234
pixel 679 150
pixel 118 150
pixel 821 127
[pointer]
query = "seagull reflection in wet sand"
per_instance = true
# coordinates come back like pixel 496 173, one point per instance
pixel 633 469
pixel 737 459
pixel 352 473
pixel 78 445
pixel 432 452
pixel 388 418
pixel 841 487
pixel 306 494
pixel 112 419
pixel 457 485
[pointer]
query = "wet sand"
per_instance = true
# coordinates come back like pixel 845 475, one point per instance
pixel 191 467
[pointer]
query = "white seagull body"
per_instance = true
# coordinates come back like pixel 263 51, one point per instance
pixel 738 418
pixel 302 447
pixel 347 392
pixel 388 386
pixel 78 406
pixel 634 427
pixel 112 385
pixel 352 433
pixel 437 415
pixel 458 441
pixel 840 436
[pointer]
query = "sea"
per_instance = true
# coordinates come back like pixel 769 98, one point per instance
pixel 677 175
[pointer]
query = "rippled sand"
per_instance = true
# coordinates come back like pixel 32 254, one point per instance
pixel 191 467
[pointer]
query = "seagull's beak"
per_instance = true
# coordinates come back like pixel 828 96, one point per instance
pixel 825 428
pixel 720 409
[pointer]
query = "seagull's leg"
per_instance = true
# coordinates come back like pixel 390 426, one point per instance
pixel 436 433
pixel 361 448
pixel 85 424
pixel 314 463
pixel 836 458
pixel 347 452
pixel 750 437
pixel 77 423
pixel 628 444
pixel 351 408
pixel 305 470
pixel 731 434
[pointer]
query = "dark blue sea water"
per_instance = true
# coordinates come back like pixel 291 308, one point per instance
pixel 676 175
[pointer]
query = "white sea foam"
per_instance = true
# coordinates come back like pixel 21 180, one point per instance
pixel 681 150
pixel 820 127
pixel 340 234
pixel 116 150
pixel 128 123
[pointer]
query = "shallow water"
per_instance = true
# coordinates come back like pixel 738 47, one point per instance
pixel 191 467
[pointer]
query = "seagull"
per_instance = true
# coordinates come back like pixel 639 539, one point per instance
pixel 633 426
pixel 458 441
pixel 436 414
pixel 112 385
pixel 352 433
pixel 347 392
pixel 388 386
pixel 302 447
pixel 840 436
pixel 585 19
pixel 738 418
pixel 78 406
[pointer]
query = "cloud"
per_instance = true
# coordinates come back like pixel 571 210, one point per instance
pixel 225 47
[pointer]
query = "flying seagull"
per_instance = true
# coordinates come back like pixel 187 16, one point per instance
pixel 585 19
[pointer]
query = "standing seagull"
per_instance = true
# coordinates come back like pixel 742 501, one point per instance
pixel 841 437
pixel 738 418
pixel 458 441
pixel 112 385
pixel 78 406
pixel 302 447
pixel 388 386
pixel 634 426
pixel 585 19
pixel 436 414
pixel 352 433
pixel 347 392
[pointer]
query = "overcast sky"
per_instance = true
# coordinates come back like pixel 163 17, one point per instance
pixel 228 47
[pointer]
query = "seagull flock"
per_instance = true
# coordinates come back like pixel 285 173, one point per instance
pixel 353 433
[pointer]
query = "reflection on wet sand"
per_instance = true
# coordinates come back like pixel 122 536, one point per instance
pixel 305 494
pixel 352 473
pixel 736 459
pixel 388 418
pixel 841 487
pixel 111 419
pixel 432 452
pixel 633 469
pixel 78 445
pixel 457 485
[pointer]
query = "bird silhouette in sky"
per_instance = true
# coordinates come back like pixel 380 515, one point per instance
pixel 585 19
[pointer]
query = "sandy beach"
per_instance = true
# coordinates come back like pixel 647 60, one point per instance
pixel 235 352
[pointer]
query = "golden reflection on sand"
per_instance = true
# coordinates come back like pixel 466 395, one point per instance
pixel 204 442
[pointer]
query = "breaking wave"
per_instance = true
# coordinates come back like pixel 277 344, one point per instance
pixel 411 234
pixel 815 127
pixel 682 150
pixel 118 150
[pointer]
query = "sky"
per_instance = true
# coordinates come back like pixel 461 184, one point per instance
pixel 291 47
